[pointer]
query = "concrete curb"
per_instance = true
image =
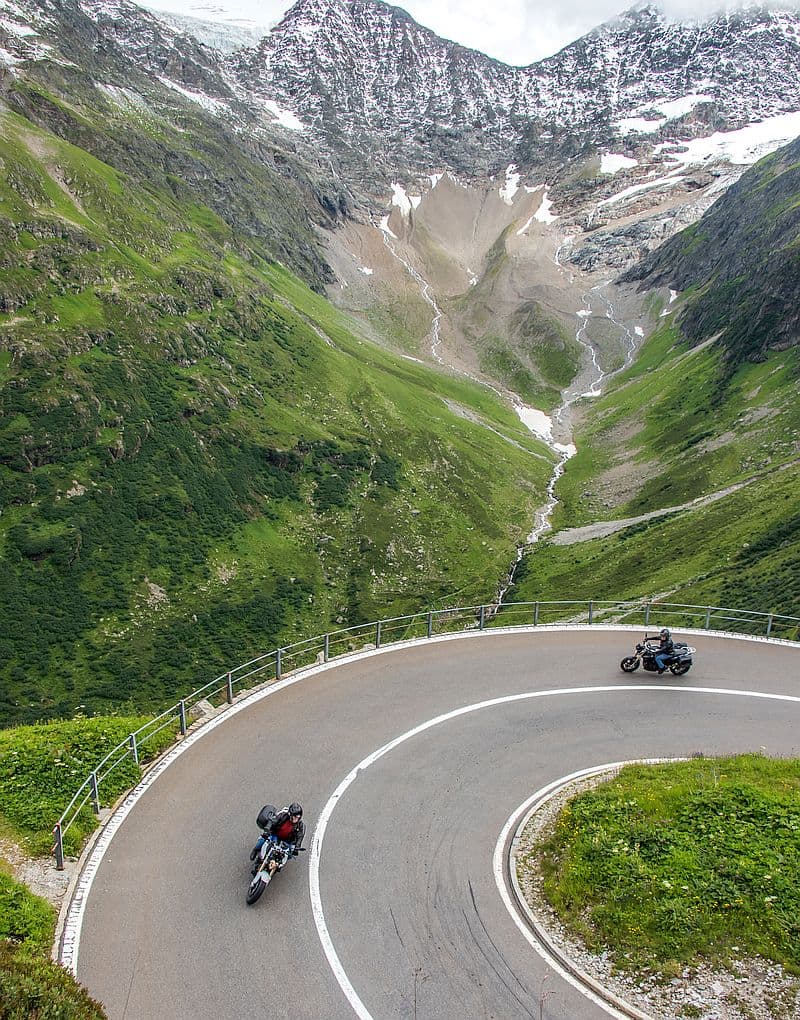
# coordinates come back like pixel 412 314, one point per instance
pixel 548 946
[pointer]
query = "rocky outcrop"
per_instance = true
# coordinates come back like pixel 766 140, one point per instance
pixel 381 91
pixel 741 259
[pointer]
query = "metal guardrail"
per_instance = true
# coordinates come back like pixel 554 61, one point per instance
pixel 312 651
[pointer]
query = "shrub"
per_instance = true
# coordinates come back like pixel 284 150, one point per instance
pixel 34 988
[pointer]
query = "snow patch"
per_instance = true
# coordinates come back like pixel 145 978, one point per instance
pixel 511 186
pixel 284 117
pixel 14 28
pixel 745 146
pixel 434 179
pixel 523 229
pixel 8 58
pixel 541 425
pixel 612 162
pixel 543 214
pixel 207 102
pixel 366 270
pixel 669 181
pixel 638 125
pixel 670 109
pixel 401 199
pixel 638 330
pixel 674 108
pixel 536 421
pixel 384 226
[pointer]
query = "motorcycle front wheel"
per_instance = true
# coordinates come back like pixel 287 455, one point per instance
pixel 254 890
pixel 679 668
pixel 629 664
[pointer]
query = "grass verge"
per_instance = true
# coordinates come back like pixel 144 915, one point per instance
pixel 671 865
pixel 34 988
pixel 41 767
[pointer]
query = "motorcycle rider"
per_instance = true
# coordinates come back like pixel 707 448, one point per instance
pixel 665 651
pixel 288 826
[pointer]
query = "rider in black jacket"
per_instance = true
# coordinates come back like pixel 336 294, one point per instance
pixel 665 650
pixel 287 825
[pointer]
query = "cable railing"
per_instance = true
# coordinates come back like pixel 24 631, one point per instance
pixel 273 665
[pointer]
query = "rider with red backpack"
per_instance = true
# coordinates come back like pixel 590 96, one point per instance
pixel 286 825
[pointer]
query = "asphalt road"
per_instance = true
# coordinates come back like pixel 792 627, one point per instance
pixel 406 881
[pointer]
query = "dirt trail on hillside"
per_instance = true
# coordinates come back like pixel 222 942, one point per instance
pixel 571 536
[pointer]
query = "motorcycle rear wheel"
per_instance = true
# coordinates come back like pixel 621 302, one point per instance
pixel 629 664
pixel 679 668
pixel 254 891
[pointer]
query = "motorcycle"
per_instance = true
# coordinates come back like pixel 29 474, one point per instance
pixel 680 661
pixel 269 860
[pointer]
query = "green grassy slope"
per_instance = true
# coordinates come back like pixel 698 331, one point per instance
pixel 671 429
pixel 680 864
pixel 200 459
pixel 530 352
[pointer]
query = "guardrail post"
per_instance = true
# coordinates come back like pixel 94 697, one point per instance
pixel 229 688
pixel 95 793
pixel 278 664
pixel 591 610
pixel 647 615
pixel 378 634
pixel 708 617
pixel 182 715
pixel 430 624
pixel 326 648
pixel 482 618
pixel 536 614
pixel 769 624
pixel 133 747
pixel 58 848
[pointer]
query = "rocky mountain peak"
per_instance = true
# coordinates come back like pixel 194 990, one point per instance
pixel 379 90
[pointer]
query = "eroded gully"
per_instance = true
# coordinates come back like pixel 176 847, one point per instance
pixel 554 431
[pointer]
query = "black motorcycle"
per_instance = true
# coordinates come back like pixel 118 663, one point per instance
pixel 680 661
pixel 270 857
pixel 270 860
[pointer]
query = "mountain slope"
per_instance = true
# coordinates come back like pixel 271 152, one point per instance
pixel 100 81
pixel 704 426
pixel 199 459
pixel 375 87
pixel 743 261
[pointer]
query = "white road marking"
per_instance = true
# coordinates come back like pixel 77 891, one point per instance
pixel 70 936
pixel 319 834
pixel 528 808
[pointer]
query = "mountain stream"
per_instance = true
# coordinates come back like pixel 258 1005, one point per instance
pixel 554 431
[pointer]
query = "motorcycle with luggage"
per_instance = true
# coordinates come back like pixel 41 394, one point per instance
pixel 680 660
pixel 268 858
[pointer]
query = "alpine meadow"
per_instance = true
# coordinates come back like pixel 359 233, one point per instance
pixel 340 322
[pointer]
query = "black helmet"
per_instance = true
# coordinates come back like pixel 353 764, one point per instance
pixel 295 809
pixel 665 632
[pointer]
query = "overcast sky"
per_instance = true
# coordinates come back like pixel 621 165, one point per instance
pixel 515 31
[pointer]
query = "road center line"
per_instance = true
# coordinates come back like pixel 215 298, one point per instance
pixel 319 833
